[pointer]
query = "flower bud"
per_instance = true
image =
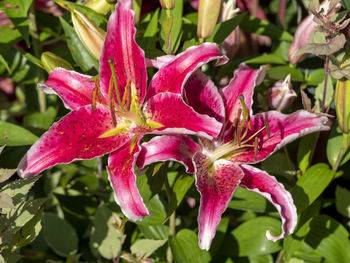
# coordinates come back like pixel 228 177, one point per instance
pixel 281 95
pixel 208 13
pixel 100 6
pixel 89 33
pixel 167 4
pixel 52 61
pixel 342 104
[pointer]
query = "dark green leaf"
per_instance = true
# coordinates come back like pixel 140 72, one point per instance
pixel 305 148
pixel 185 248
pixel 329 93
pixel 251 236
pixel 17 11
pixel 59 234
pixel 154 232
pixel 40 120
pixel 77 49
pixel 280 72
pixel 342 201
pixel 13 135
pixel 158 213
pixel 149 38
pixel 263 27
pixel 146 247
pixel 247 200
pixel 334 147
pixel 9 36
pixel 316 77
pixel 266 59
pixel 311 185
pixel 327 48
pixel 222 30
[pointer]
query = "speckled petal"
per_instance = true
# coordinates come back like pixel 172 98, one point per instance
pixel 201 94
pixel 129 58
pixel 283 130
pixel 75 136
pixel 216 187
pixel 121 175
pixel 73 88
pixel 172 76
pixel 266 185
pixel 244 81
pixel 169 110
pixel 179 148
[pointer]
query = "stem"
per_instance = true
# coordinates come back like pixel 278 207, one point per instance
pixel 99 172
pixel 169 191
pixel 326 72
pixel 280 257
pixel 168 28
pixel 344 147
pixel 33 29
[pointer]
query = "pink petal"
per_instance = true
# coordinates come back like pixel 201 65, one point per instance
pixel 159 62
pixel 266 185
pixel 169 110
pixel 73 88
pixel 129 58
pixel 75 136
pixel 243 83
pixel 301 38
pixel 216 187
pixel 179 148
pixel 203 96
pixel 283 130
pixel 121 175
pixel 172 76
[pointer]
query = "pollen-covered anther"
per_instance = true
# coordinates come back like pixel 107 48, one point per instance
pixel 126 101
pixel 256 145
pixel 267 126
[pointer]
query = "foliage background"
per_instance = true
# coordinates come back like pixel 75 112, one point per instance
pixel 68 214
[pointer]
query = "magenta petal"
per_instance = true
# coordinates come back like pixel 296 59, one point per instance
pixel 121 174
pixel 216 188
pixel 203 96
pixel 159 62
pixel 120 45
pixel 266 185
pixel 172 76
pixel 75 136
pixel 73 88
pixel 169 110
pixel 283 130
pixel 244 81
pixel 180 148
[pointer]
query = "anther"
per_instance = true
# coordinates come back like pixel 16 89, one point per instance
pixel 127 96
pixel 112 103
pixel 256 147
pixel 93 99
pixel 267 126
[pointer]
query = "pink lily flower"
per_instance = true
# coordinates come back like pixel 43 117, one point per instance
pixel 111 115
pixel 224 163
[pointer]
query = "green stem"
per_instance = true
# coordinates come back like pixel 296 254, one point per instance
pixel 172 218
pixel 326 73
pixel 37 52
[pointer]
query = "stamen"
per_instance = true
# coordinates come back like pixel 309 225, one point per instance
pixel 133 144
pixel 238 135
pixel 252 136
pixel 93 99
pixel 112 104
pixel 256 147
pixel 267 127
pixel 100 97
pixel 111 64
pixel 127 96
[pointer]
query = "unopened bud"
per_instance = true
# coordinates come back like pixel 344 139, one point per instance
pixel 342 104
pixel 208 13
pixel 89 33
pixel 167 4
pixel 281 95
pixel 52 61
pixel 100 6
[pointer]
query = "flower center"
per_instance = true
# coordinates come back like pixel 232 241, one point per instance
pixel 242 137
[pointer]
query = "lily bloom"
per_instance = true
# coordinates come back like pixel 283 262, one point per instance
pixel 224 163
pixel 112 114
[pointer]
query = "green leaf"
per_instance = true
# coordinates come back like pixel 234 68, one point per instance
pixel 266 59
pixel 311 185
pixel 334 146
pixel 342 201
pixel 10 37
pixel 316 77
pixel 261 259
pixel 145 247
pixel 158 213
pixel 221 230
pixel 149 39
pixel 40 120
pixel 105 239
pixel 251 236
pixel 6 201
pixel 285 168
pixel 306 145
pixel 223 29
pixel 158 232
pixel 329 239
pixel 185 248
pixel 79 53
pixel 60 235
pixel 248 201
pixel 262 27
pixel 329 93
pixel 182 184
pixel 280 72
pixel 17 11
pixel 13 135
pixel 5 174
pixel 4 62
pixel 326 49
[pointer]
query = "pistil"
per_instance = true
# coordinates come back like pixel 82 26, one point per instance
pixel 111 64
